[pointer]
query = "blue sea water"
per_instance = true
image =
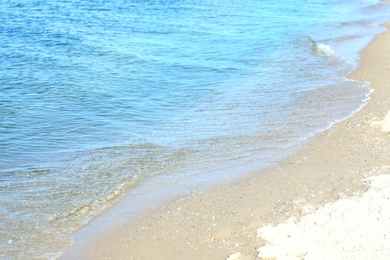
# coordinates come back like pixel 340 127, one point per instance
pixel 98 95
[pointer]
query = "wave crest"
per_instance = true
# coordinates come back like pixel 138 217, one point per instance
pixel 321 48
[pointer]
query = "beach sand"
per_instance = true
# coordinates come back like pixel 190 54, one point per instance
pixel 350 228
pixel 329 201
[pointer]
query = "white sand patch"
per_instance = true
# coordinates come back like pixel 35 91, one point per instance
pixel 352 228
pixel 235 256
pixel 385 127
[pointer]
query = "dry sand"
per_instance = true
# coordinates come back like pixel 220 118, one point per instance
pixel 350 228
pixel 275 213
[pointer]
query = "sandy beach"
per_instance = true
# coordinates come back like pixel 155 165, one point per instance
pixel 329 201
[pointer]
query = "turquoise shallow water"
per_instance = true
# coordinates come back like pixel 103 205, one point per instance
pixel 95 96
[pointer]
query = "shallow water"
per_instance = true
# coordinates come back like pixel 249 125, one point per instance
pixel 95 97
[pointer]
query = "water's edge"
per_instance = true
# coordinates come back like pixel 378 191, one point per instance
pixel 155 192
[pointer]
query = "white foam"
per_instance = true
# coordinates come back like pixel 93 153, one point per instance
pixel 326 50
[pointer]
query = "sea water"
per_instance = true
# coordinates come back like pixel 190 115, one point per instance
pixel 96 96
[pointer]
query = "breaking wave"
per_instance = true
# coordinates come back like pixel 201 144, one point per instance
pixel 321 49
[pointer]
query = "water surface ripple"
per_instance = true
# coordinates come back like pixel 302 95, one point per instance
pixel 98 95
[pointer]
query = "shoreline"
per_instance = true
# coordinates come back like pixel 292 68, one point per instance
pixel 223 221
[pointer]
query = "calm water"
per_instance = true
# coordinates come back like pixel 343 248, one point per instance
pixel 97 95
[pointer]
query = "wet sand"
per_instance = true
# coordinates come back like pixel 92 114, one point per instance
pixel 227 221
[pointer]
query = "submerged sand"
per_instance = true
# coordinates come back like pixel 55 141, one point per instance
pixel 330 199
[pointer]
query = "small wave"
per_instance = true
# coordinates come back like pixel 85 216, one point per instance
pixel 326 50
pixel 321 48
pixel 86 209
